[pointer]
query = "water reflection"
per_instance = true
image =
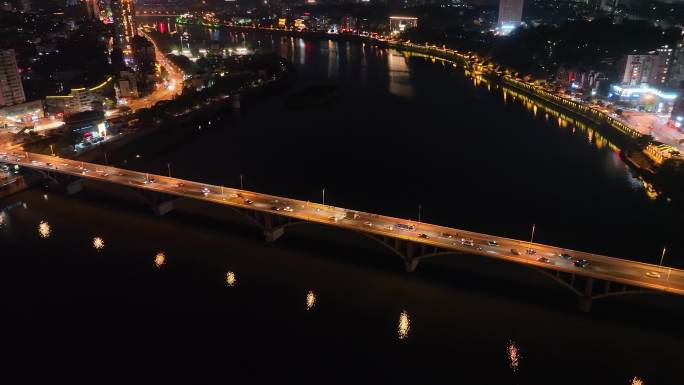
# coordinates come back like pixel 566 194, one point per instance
pixel 230 279
pixel 310 300
pixel 513 356
pixel 637 381
pixel 404 325
pixel 333 59
pixel 399 75
pixel 44 229
pixel 159 259
pixel 98 243
pixel 3 218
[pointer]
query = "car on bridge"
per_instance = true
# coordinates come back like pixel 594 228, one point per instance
pixel 424 236
pixel 405 227
pixel 467 242
pixel 653 274
pixel 580 263
pixel 544 260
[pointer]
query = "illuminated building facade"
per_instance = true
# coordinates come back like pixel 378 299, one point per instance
pixel 11 89
pixel 78 100
pixel 510 16
pixel 651 69
pixel 399 24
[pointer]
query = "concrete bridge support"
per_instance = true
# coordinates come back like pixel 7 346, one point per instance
pixel 163 208
pixel 272 231
pixel 74 187
pixel 585 300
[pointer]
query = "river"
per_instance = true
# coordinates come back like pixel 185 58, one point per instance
pixel 327 306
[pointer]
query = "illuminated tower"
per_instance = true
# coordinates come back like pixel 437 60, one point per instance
pixel 510 15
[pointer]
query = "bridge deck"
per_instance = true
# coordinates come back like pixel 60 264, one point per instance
pixel 600 267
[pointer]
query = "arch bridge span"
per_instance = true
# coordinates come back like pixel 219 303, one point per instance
pixel 600 277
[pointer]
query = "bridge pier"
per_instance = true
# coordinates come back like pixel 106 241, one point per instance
pixel 410 263
pixel 272 231
pixel 162 208
pixel 74 187
pixel 585 300
pixel 273 234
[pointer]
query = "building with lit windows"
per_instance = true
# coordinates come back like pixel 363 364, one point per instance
pixel 399 24
pixel 78 100
pixel 11 89
pixel 651 68
pixel 510 16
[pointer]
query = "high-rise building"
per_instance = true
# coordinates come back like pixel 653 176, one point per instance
pixel 11 89
pixel 648 69
pixel 676 75
pixel 510 15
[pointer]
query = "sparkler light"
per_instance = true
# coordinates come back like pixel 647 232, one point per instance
pixel 404 325
pixel 44 229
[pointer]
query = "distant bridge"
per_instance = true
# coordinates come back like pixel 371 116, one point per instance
pixel 411 241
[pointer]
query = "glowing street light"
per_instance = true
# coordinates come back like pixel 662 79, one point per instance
pixel 662 256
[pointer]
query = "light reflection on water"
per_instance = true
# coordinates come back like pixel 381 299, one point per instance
pixel 514 356
pixel 404 325
pixel 593 136
pixel 159 259
pixel 310 300
pixel 3 218
pixel 231 280
pixel 637 381
pixel 44 229
pixel 98 243
pixel 399 75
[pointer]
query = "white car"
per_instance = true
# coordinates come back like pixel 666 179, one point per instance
pixel 653 274
pixel 205 191
pixel 288 209
pixel 467 242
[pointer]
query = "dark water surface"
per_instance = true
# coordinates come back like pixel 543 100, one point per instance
pixel 327 306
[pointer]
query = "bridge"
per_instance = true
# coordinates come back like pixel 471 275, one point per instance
pixel 589 276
